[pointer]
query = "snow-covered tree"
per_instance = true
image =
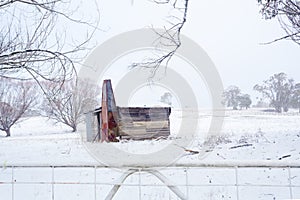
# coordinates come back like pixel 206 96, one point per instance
pixel 278 89
pixel 230 97
pixel 295 99
pixel 244 101
pixel 288 14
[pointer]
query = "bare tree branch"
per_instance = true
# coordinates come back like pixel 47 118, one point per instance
pixel 33 41
pixel 169 38
pixel 288 14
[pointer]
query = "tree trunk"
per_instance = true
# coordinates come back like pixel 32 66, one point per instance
pixel 278 109
pixel 7 132
pixel 74 129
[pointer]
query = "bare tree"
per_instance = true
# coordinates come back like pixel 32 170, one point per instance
pixel 169 38
pixel 288 14
pixel 71 102
pixel 16 98
pixel 34 42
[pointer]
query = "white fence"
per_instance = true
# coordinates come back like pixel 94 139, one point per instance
pixel 181 182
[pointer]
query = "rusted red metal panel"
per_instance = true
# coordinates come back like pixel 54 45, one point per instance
pixel 104 117
pixel 109 114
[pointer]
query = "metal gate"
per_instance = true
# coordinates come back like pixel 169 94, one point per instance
pixel 176 182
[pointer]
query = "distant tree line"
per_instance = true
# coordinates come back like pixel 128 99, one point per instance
pixel 281 92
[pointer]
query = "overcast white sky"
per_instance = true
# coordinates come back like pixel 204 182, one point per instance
pixel 229 31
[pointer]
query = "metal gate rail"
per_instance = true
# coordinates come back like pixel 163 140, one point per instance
pixel 280 177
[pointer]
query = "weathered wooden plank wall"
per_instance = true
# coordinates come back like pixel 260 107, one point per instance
pixel 141 123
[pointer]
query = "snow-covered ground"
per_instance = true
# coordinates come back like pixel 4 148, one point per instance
pixel 247 135
pixel 248 138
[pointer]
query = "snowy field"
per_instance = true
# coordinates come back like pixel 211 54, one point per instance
pixel 246 136
pixel 267 142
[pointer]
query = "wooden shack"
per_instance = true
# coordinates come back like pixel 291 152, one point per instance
pixel 110 122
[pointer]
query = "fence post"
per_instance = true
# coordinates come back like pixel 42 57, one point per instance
pixel 290 183
pixel 140 185
pixel 52 184
pixel 187 182
pixel 95 179
pixel 12 182
pixel 237 182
